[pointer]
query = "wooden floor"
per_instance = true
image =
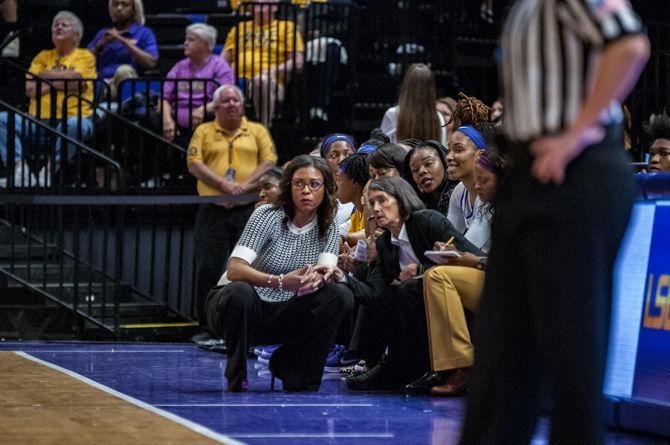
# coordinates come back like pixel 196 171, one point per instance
pixel 40 405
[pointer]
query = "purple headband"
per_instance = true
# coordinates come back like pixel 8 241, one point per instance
pixel 474 135
pixel 484 162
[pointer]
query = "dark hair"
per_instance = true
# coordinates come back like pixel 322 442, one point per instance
pixel 441 150
pixel 376 140
pixel 658 126
pixel 491 160
pixel 355 166
pixel 411 143
pixel 388 156
pixel 275 172
pixel 408 201
pixel 327 208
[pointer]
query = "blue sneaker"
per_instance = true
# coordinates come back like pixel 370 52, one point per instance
pixel 266 353
pixel 333 360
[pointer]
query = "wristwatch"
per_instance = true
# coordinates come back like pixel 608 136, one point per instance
pixel 481 263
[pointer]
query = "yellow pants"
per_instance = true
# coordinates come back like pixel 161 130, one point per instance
pixel 447 291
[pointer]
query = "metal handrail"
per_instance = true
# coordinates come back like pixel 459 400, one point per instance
pixel 65 137
pixel 125 120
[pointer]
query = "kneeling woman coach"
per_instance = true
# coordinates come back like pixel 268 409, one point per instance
pixel 273 292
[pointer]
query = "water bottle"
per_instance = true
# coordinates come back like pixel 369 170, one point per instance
pixel 361 251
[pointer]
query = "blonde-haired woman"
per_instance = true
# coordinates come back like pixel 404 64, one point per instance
pixel 126 42
pixel 416 115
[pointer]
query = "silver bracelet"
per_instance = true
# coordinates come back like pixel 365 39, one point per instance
pixel 281 282
pixel 270 276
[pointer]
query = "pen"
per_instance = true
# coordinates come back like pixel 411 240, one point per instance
pixel 451 240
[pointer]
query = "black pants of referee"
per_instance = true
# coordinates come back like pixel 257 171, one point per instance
pixel 305 327
pixel 217 230
pixel 545 309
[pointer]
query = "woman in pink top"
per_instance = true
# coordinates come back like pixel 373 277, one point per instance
pixel 185 103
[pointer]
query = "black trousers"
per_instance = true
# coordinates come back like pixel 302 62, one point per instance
pixel 304 326
pixel 545 309
pixel 401 314
pixel 217 230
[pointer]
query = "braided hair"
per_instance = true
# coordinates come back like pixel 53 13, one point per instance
pixel 355 167
pixel 469 111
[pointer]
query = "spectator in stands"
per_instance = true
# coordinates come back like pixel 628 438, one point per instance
pixel 416 114
pixel 126 42
pixel 486 11
pixel 451 289
pixel 386 161
pixel 659 130
pixel 264 53
pixel 394 286
pixel 227 156
pixel 191 101
pixel 271 292
pixel 269 186
pixel 63 68
pixel 425 168
pixel 10 24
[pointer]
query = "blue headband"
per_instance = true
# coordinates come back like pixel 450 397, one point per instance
pixel 367 148
pixel 325 145
pixel 474 135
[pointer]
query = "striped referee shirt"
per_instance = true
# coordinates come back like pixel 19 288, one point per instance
pixel 548 50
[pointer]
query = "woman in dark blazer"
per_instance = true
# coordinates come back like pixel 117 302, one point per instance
pixel 393 288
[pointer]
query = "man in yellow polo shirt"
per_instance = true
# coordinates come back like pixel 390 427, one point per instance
pixel 264 52
pixel 227 156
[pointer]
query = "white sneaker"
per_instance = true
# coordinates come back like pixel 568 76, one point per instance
pixel 12 50
pixel 21 174
pixel 150 184
pixel 43 178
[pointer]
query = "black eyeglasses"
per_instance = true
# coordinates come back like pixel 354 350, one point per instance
pixel 313 184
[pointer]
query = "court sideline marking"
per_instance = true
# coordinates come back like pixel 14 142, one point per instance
pixel 180 420
pixel 104 351
pixel 264 405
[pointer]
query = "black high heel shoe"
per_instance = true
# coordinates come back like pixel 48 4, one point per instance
pixel 427 381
